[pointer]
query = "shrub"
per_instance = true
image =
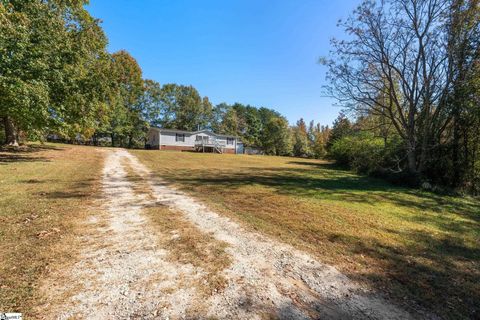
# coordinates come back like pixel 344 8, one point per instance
pixel 365 153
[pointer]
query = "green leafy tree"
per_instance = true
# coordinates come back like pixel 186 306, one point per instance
pixel 320 136
pixel 242 125
pixel 218 114
pixel 266 114
pixel 464 52
pixel 150 103
pixel 341 127
pixel 183 108
pixel 127 125
pixel 51 57
pixel 207 113
pixel 277 139
pixel 131 88
pixel 251 136
pixel 230 122
pixel 301 141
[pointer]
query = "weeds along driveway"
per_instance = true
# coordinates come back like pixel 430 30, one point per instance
pixel 137 264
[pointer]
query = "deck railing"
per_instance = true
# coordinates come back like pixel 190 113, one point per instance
pixel 210 143
pixel 217 145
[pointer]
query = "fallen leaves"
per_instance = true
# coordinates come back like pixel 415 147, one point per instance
pixel 46 233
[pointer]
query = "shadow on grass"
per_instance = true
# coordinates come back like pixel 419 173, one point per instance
pixel 31 148
pixel 344 186
pixel 5 159
pixel 328 182
pixel 319 164
pixel 80 190
pixel 24 153
pixel 440 271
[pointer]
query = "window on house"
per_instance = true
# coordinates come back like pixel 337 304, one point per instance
pixel 180 137
pixel 229 140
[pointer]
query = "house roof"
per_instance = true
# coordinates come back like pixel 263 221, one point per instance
pixel 191 132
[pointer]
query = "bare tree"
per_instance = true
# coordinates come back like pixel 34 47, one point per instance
pixel 396 49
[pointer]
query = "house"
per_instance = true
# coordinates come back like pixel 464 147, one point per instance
pixel 202 141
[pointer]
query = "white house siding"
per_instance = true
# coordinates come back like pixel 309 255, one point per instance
pixel 164 139
pixel 169 139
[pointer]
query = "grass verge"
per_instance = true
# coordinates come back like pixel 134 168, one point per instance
pixel 45 190
pixel 412 245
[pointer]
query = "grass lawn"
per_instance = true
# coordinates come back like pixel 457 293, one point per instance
pixel 411 245
pixel 45 190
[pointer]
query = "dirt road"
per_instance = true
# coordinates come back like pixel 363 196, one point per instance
pixel 122 271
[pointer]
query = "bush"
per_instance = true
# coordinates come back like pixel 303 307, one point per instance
pixel 365 153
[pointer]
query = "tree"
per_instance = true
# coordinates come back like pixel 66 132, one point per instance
pixel 410 71
pixel 251 136
pixel 130 85
pixel 218 114
pixel 311 133
pixel 230 122
pixel 266 114
pixel 464 54
pixel 277 137
pixel 245 121
pixel 301 142
pixel 341 127
pixel 207 113
pixel 320 136
pixel 397 48
pixel 190 113
pixel 50 57
pixel 183 108
pixel 150 103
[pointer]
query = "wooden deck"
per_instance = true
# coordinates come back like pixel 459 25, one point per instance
pixel 213 146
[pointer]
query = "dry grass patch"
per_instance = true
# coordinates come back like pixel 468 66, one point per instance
pixel 412 245
pixel 45 191
pixel 184 242
pixel 188 245
pixel 140 185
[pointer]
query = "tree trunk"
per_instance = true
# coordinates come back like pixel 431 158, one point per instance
pixel 10 132
pixel 95 139
pixel 412 155
pixel 112 135
pixel 424 152
pixel 412 161
pixel 130 141
pixel 456 150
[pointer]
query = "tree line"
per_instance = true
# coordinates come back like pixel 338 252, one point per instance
pixel 58 78
pixel 409 76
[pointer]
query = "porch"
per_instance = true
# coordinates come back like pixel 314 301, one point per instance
pixel 209 144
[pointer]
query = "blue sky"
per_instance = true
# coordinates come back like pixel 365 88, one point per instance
pixel 258 52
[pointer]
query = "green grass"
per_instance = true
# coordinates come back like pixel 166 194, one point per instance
pixel 45 190
pixel 411 245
